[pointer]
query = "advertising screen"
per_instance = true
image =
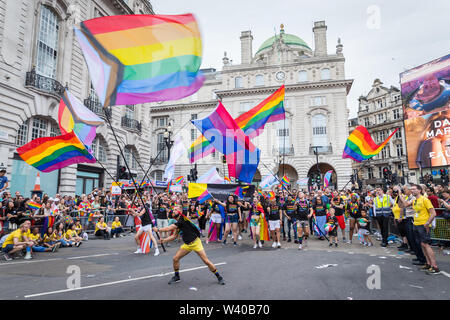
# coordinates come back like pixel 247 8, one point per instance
pixel 426 101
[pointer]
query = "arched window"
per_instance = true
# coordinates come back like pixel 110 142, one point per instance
pixel 99 148
pixel 259 80
pixel 302 76
pixel 47 43
pixel 238 82
pixel 319 126
pixel 325 74
pixel 36 127
pixel 284 138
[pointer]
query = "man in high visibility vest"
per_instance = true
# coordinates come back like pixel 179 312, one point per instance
pixel 382 210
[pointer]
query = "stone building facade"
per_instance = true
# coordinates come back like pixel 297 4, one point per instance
pixel 380 111
pixel 39 57
pixel 315 103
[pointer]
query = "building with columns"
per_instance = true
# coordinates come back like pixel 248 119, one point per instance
pixel 380 111
pixel 316 127
pixel 39 57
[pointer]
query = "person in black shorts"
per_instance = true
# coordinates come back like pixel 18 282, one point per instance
pixel 354 212
pixel 332 221
pixel 303 213
pixel 233 216
pixel 147 224
pixel 190 234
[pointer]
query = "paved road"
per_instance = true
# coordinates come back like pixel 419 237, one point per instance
pixel 110 270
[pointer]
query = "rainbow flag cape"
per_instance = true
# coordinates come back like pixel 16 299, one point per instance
pixel 187 219
pixel 142 58
pixel 204 197
pixel 264 230
pixel 252 123
pixel 360 145
pixel 327 178
pixel 52 153
pixel 74 116
pixel 34 205
pixel 48 222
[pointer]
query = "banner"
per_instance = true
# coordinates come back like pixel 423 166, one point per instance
pixel 219 191
pixel 303 182
pixel 116 189
pixel 426 101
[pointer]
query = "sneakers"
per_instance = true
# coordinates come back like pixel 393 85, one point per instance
pixel 296 241
pixel 239 237
pixel 234 243
pixel 274 245
pixel 425 267
pixel 300 247
pixel 279 245
pixel 77 244
pixel 221 281
pixel 224 242
pixel 255 246
pixel 138 250
pixel 330 245
pixel 419 263
pixel 7 257
pixel 175 279
pixel 260 244
pixel 335 244
pixel 433 270
pixel 156 253
pixel 289 240
pixel 28 256
pixel 370 244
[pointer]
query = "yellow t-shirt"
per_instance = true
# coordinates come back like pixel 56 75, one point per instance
pixel 116 225
pixel 27 234
pixel 34 237
pixel 48 238
pixel 103 225
pixel 69 233
pixel 78 229
pixel 396 210
pixel 421 207
pixel 10 238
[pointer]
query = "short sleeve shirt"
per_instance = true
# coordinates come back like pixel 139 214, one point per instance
pixel 421 207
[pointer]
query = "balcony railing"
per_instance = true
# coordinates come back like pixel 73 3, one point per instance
pixel 94 105
pixel 44 84
pixel 288 151
pixel 321 150
pixel 131 124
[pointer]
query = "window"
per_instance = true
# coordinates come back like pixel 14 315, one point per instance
pixel 129 111
pixel 194 116
pixel 380 117
pixel 370 173
pixel 284 140
pixel 319 128
pixel 161 122
pixel 379 104
pixel 398 134
pixel 245 106
pixel 22 135
pixel 380 172
pixel 396 114
pixel 47 43
pixel 318 101
pixel 325 74
pixel 193 134
pixel 130 157
pixel 161 147
pixel 157 175
pixel 54 130
pixel 381 136
pixel 303 76
pixel 39 128
pixel 385 152
pixel 399 150
pixel 366 122
pixel 99 150
pixel 238 82
pixel 259 80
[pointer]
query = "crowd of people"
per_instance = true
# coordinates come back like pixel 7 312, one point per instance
pixel 291 216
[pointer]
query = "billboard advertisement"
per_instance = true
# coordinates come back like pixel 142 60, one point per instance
pixel 426 110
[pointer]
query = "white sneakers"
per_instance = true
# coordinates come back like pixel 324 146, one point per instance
pixel 300 247
pixel 259 244
pixel 278 245
pixel 28 256
pixel 255 246
pixel 239 237
pixel 156 253
pixel 138 250
pixel 274 245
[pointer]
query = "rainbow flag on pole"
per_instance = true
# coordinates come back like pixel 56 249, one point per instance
pixel 252 123
pixel 179 180
pixel 360 145
pixel 285 181
pixel 34 205
pixel 327 178
pixel 142 58
pixel 52 153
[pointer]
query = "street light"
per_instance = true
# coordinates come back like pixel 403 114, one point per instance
pixel 316 153
pixel 167 139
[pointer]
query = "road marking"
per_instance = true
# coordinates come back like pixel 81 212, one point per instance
pixel 55 259
pixel 117 282
pixel 445 274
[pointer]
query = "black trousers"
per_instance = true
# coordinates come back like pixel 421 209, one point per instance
pixel 102 233
pixel 383 222
pixel 413 242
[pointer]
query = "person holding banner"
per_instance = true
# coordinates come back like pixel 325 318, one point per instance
pixel 190 234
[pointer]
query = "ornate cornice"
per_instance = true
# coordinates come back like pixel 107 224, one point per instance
pixel 184 106
pixel 290 87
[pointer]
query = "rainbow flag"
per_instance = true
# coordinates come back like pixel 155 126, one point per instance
pixel 285 181
pixel 204 197
pixel 179 180
pixel 261 193
pixel 74 116
pixel 34 205
pixel 52 153
pixel 327 178
pixel 271 195
pixel 142 58
pixel 252 123
pixel 360 145
pixel 264 230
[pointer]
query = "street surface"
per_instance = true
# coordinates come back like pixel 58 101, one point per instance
pixel 110 270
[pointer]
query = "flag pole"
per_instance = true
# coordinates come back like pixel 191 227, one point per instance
pixel 129 171
pixel 362 166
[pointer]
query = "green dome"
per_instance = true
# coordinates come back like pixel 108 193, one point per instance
pixel 288 39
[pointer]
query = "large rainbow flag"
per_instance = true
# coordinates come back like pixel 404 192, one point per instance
pixel 141 58
pixel 52 153
pixel 252 123
pixel 74 116
pixel 360 145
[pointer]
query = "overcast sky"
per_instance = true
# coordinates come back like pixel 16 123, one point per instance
pixel 407 33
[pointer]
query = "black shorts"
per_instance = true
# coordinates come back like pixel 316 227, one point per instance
pixel 421 234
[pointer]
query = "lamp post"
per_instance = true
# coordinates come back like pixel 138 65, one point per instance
pixel 316 153
pixel 167 139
